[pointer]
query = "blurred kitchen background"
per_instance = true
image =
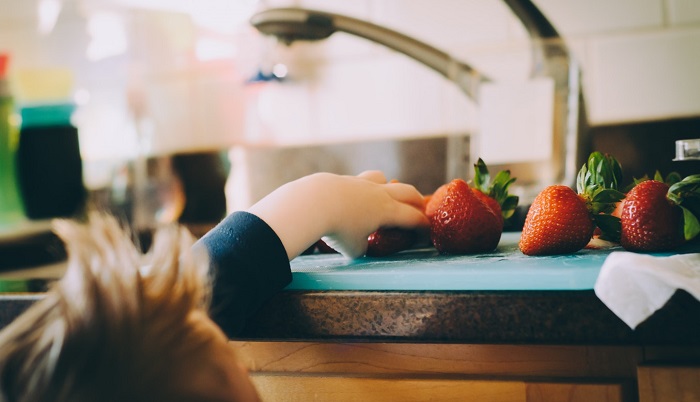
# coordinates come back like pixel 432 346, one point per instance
pixel 208 115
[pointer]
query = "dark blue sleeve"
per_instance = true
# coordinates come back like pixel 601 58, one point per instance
pixel 248 265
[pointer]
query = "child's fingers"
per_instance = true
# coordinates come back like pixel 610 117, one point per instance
pixel 406 193
pixel 375 176
pixel 408 217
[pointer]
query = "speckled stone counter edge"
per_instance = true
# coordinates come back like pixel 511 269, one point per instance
pixel 525 317
pixel 541 317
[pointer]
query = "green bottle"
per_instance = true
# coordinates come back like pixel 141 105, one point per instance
pixel 11 208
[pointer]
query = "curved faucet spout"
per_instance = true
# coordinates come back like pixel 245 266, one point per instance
pixel 292 24
pixel 551 59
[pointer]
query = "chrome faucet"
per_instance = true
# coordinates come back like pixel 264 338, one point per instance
pixel 292 24
pixel 550 58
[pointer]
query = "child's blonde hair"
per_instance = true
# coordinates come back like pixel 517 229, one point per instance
pixel 117 326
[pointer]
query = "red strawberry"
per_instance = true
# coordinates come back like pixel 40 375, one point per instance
pixel 387 241
pixel 558 222
pixel 562 221
pixel 495 192
pixel 653 218
pixel 490 202
pixel 462 223
pixel 670 179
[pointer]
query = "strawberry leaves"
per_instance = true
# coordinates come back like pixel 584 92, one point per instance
pixel 691 226
pixel 683 193
pixel 600 172
pixel 496 189
pixel 598 182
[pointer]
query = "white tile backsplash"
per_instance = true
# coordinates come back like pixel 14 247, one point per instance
pixel 527 132
pixel 510 62
pixel 386 96
pixel 640 61
pixel 279 113
pixel 447 23
pixel 357 8
pixel 646 76
pixel 576 17
pixel 683 12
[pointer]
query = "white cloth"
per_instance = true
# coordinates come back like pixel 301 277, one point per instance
pixel 635 285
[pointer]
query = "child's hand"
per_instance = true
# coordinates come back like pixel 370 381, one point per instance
pixel 342 209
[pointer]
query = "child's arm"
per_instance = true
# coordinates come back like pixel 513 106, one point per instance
pixel 250 250
pixel 342 209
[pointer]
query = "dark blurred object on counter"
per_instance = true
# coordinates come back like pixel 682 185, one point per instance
pixel 203 176
pixel 184 188
pixel 49 165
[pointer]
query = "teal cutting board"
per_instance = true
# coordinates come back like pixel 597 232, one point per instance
pixel 425 269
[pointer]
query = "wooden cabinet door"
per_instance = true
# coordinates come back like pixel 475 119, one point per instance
pixel 669 383
pixel 302 388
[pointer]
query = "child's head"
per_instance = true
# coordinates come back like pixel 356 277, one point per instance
pixel 122 326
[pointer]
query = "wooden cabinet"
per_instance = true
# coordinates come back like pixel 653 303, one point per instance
pixel 293 388
pixel 318 371
pixel 662 383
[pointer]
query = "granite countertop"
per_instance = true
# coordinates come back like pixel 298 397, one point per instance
pixel 499 297
pixel 478 317
pixel 418 296
pixel 486 317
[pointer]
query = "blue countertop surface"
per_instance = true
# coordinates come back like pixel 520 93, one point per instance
pixel 507 268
